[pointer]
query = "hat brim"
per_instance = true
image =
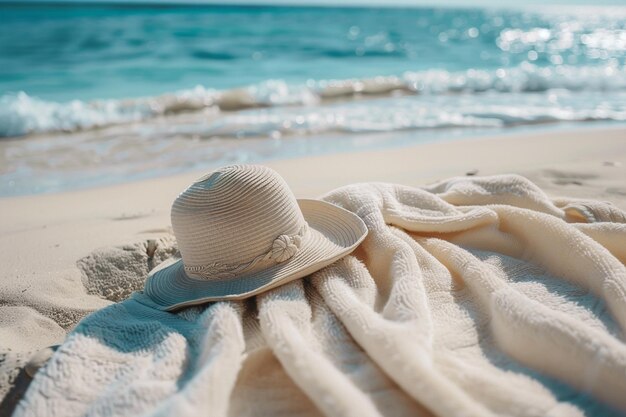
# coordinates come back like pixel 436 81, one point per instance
pixel 333 233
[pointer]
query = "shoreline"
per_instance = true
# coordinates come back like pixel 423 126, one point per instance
pixel 248 150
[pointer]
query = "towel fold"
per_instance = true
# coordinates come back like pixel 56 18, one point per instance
pixel 470 297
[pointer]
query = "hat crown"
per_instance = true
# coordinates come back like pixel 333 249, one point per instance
pixel 232 216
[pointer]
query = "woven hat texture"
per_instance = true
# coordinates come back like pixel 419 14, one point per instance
pixel 241 231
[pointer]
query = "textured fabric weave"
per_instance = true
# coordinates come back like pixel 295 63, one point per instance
pixel 471 297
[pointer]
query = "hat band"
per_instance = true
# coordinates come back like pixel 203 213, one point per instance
pixel 283 248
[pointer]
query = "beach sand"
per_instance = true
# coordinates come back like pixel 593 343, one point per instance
pixel 46 240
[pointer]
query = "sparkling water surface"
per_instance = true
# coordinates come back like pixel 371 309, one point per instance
pixel 88 92
pixel 62 53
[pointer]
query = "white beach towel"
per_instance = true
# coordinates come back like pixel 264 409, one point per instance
pixel 470 297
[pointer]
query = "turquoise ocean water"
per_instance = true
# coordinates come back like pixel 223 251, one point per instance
pixel 108 81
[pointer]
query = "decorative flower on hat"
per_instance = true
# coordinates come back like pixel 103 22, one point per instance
pixel 284 247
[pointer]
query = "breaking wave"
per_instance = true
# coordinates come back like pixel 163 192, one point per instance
pixel 21 114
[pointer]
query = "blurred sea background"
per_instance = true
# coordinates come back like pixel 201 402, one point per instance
pixel 95 94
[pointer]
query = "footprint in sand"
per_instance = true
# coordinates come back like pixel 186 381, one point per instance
pixel 611 164
pixel 568 178
pixel 617 191
pixel 130 216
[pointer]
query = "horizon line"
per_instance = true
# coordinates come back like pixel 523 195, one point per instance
pixel 397 4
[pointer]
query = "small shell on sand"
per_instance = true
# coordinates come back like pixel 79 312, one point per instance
pixel 38 360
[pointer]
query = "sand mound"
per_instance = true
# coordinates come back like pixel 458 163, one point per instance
pixel 111 273
pixel 114 273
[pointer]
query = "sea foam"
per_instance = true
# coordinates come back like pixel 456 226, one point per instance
pixel 21 114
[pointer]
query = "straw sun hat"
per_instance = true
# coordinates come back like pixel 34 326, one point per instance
pixel 241 231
